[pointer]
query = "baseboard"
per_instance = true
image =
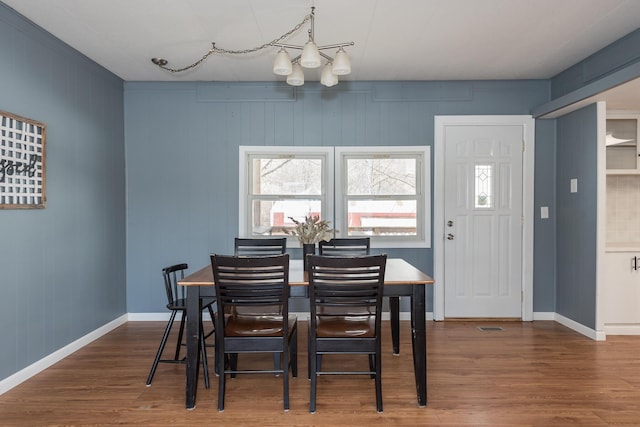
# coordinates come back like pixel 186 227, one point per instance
pixel 42 364
pixel 573 325
pixel 544 315
pixel 580 328
pixel 622 329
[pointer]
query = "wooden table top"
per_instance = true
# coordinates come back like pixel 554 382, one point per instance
pixel 397 272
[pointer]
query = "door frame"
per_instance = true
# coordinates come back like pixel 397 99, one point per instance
pixel 528 157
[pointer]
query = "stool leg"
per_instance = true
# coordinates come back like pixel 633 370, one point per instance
pixel 163 342
pixel 394 308
pixel 205 363
pixel 180 335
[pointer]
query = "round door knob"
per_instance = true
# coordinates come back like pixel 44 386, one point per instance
pixel 449 236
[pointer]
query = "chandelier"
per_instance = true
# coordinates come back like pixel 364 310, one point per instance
pixel 310 57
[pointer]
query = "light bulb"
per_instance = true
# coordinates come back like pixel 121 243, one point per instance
pixel 310 57
pixel 296 78
pixel 282 64
pixel 328 78
pixel 341 63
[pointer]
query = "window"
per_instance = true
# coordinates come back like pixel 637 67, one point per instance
pixel 281 182
pixel 483 186
pixel 380 192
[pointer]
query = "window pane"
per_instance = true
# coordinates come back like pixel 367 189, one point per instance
pixel 484 187
pixel 382 218
pixel 270 217
pixel 385 176
pixel 283 176
pixel 621 143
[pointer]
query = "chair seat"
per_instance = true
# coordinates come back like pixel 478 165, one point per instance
pixel 241 325
pixel 343 311
pixel 345 326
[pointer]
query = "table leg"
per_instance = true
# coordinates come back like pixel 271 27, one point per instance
pixel 194 313
pixel 394 308
pixel 419 342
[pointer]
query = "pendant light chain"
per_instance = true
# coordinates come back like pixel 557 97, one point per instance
pixel 162 63
pixel 311 57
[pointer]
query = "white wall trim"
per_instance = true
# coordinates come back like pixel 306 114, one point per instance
pixel 621 329
pixel 544 315
pixel 42 364
pixel 580 328
pixel 571 324
pixel 601 215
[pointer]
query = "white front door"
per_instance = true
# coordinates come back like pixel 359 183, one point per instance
pixel 483 220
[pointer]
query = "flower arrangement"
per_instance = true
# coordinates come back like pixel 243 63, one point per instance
pixel 311 230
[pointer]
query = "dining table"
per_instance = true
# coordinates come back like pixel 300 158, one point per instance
pixel 401 279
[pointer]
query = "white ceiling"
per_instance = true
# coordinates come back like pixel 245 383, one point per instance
pixel 394 39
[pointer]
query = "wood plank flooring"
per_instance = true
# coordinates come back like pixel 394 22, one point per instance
pixel 529 374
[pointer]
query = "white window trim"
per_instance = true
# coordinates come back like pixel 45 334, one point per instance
pixel 333 208
pixel 245 151
pixel 424 184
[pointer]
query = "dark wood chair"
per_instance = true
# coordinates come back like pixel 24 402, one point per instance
pixel 253 292
pixel 260 247
pixel 349 246
pixel 177 303
pixel 356 246
pixel 346 304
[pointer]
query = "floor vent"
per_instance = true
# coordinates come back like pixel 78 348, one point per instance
pixel 490 328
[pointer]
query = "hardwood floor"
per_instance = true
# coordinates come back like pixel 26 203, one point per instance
pixel 529 374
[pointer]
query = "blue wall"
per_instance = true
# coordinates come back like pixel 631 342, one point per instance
pixel 576 148
pixel 575 254
pixel 63 267
pixel 617 56
pixel 64 270
pixel 544 254
pixel 182 144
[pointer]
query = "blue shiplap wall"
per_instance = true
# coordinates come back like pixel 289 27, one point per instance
pixel 576 148
pixel 617 56
pixel 182 144
pixel 544 254
pixel 63 267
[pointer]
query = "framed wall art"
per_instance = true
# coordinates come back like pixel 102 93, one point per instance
pixel 22 162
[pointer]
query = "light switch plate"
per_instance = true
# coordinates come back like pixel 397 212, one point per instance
pixel 544 212
pixel 574 185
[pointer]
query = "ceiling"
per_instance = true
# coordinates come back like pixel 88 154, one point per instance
pixel 394 39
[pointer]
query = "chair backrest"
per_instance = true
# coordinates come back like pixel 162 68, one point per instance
pixel 252 285
pixel 172 275
pixel 260 247
pixel 350 246
pixel 346 286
